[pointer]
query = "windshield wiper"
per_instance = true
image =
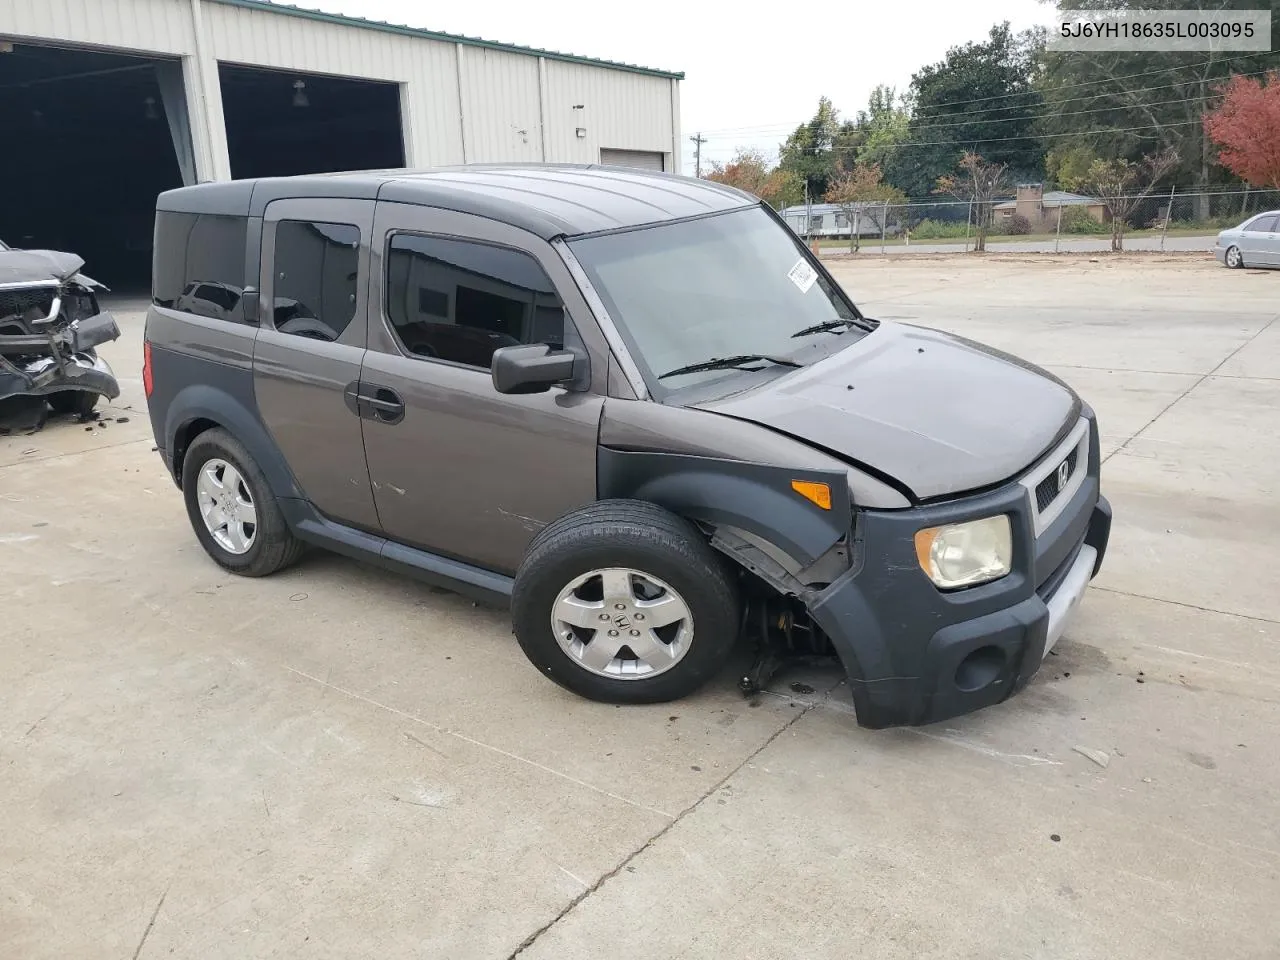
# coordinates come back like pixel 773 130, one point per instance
pixel 829 326
pixel 728 363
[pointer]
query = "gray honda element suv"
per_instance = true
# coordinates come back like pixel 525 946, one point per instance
pixel 634 407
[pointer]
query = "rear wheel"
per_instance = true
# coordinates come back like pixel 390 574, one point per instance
pixel 232 509
pixel 1233 258
pixel 624 602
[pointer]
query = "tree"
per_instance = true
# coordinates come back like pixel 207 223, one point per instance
pixel 1064 165
pixel 863 197
pixel 812 150
pixel 978 99
pixel 1131 104
pixel 1246 129
pixel 1123 184
pixel 884 125
pixel 980 182
pixel 750 171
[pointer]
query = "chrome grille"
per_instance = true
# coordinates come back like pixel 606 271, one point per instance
pixel 1047 490
pixel 17 302
pixel 1056 477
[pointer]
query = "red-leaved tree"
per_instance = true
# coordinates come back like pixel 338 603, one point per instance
pixel 1246 129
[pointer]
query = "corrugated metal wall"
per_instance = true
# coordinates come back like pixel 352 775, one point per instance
pixel 144 26
pixel 620 111
pixel 495 102
pixel 500 107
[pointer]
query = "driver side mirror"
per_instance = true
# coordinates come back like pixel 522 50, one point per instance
pixel 530 368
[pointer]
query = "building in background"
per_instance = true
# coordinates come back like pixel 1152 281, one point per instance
pixel 1041 209
pixel 106 103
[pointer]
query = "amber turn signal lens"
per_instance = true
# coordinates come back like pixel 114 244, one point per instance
pixel 818 493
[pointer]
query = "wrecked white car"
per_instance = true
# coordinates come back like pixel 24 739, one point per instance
pixel 50 325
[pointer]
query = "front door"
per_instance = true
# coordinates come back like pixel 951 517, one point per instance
pixel 314 292
pixel 458 468
pixel 1256 242
pixel 1269 241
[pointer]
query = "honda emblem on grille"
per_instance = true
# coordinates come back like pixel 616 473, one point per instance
pixel 1064 474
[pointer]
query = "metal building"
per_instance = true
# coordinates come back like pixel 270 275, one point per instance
pixel 105 103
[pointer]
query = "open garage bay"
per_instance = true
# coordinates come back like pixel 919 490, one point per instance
pixel 339 762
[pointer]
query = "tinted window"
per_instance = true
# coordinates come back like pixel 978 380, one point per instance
pixel 315 278
pixel 1263 224
pixel 199 264
pixel 460 301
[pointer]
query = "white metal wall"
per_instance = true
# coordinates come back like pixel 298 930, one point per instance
pixel 459 102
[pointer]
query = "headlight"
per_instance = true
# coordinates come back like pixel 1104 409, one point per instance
pixel 964 554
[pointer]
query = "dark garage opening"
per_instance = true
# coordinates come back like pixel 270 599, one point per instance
pixel 282 123
pixel 87 148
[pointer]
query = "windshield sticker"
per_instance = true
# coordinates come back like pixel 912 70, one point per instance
pixel 802 275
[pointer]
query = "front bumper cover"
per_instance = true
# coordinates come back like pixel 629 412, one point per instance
pixel 916 655
pixel 39 364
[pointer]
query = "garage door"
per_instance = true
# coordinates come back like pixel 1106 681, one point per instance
pixel 644 159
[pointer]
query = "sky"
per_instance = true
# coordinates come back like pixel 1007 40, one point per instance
pixel 751 75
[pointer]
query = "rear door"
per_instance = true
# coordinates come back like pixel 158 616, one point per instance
pixel 458 468
pixel 314 292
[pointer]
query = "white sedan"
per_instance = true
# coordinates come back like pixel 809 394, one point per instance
pixel 1255 243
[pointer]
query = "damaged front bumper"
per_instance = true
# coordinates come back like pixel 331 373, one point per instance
pixel 914 654
pixel 49 332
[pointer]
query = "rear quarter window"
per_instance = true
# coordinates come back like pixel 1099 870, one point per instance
pixel 198 265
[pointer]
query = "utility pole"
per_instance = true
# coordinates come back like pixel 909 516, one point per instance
pixel 698 140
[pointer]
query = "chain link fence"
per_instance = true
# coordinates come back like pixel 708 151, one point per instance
pixel 1050 217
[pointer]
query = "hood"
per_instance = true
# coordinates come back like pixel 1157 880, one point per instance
pixel 937 413
pixel 28 266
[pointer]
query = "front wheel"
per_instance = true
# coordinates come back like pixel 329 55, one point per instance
pixel 624 602
pixel 77 403
pixel 1233 258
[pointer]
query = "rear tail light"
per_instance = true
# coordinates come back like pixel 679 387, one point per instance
pixel 147 382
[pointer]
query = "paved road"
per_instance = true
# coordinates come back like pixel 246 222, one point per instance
pixel 336 762
pixel 1069 245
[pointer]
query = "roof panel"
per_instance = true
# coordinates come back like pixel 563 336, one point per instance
pixel 565 200
pixel 549 200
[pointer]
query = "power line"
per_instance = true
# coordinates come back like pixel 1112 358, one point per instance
pixel 1044 136
pixel 1090 83
pixel 723 132
pixel 1057 116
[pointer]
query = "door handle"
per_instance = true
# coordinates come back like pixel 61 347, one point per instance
pixel 372 402
pixel 381 403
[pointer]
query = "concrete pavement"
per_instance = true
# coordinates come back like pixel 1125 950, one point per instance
pixel 336 762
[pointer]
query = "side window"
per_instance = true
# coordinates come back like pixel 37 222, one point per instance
pixel 459 301
pixel 1263 225
pixel 199 264
pixel 314 278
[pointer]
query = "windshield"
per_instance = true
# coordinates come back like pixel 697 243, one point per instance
pixel 724 286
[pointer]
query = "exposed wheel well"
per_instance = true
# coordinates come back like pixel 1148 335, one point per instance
pixel 183 439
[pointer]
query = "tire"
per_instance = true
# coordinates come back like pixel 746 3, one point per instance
pixel 268 543
pixel 79 403
pixel 660 557
pixel 1233 258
